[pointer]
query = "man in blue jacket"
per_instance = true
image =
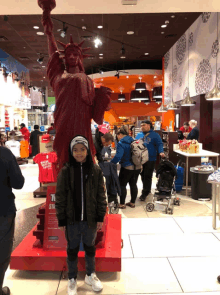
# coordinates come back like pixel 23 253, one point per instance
pixel 154 145
pixel 10 177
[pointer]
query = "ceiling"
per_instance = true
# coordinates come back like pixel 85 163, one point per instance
pixel 22 40
pixel 113 6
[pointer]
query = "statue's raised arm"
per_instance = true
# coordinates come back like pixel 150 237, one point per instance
pixel 47 6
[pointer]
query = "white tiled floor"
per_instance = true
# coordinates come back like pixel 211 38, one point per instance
pixel 162 254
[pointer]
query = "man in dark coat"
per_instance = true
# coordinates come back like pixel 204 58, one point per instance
pixel 194 133
pixel 10 177
pixel 34 140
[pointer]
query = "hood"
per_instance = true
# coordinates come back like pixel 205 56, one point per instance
pixel 127 139
pixel 73 162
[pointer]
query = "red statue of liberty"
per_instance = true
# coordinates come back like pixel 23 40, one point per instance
pixel 76 100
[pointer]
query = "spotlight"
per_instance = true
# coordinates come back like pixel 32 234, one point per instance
pixel 117 75
pixel 122 51
pixel 97 42
pixel 40 59
pixel 63 31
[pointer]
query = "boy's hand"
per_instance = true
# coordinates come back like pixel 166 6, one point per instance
pixel 99 225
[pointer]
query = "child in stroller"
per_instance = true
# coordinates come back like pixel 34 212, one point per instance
pixel 166 174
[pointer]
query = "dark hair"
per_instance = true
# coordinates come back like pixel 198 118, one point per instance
pixel 12 133
pixel 122 131
pixel 52 124
pixel 22 125
pixel 147 122
pixel 185 124
pixel 16 128
pixel 36 127
pixel 108 137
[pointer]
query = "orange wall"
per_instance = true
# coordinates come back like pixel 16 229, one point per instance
pixel 133 109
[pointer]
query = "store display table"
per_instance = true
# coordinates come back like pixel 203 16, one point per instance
pixel 202 153
pixel 215 197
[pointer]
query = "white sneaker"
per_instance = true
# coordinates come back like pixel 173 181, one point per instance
pixel 72 287
pixel 94 282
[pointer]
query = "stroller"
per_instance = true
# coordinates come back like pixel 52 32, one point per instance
pixel 165 193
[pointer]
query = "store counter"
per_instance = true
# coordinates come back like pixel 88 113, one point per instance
pixel 202 153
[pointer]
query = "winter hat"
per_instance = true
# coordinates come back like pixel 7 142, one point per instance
pixel 45 138
pixel 147 122
pixel 77 140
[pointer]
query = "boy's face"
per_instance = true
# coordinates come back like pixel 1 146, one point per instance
pixel 80 153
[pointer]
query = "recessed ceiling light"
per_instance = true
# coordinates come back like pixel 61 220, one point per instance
pixel 122 57
pixel 172 16
pixel 127 77
pixel 36 27
pixel 162 32
pixel 24 47
pixel 100 27
pixel 155 76
pixel 40 33
pixel 100 53
pixel 101 79
pixel 146 53
pixel 44 77
pixel 130 32
pixel 163 26
pixel 113 91
pixel 101 57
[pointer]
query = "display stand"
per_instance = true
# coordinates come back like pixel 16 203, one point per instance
pixel 42 190
pixel 44 248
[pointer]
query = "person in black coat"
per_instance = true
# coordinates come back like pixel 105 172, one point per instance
pixel 10 177
pixel 194 133
pixel 101 140
pixel 34 140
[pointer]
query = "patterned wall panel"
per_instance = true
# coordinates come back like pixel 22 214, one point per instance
pixel 200 43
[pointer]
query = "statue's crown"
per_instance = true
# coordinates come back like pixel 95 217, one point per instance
pixel 75 46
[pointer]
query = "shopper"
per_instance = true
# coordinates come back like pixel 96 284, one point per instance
pixel 194 133
pixel 34 142
pixel 50 129
pixel 127 174
pixel 185 129
pixel 10 177
pixel 102 140
pixel 154 145
pixel 25 132
pixel 81 207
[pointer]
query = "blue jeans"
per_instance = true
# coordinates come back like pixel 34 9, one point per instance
pixel 74 233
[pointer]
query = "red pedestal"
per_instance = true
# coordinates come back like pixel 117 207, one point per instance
pixel 108 259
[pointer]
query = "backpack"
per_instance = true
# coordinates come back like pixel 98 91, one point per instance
pixel 139 153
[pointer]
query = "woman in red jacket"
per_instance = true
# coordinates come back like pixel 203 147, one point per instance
pixel 25 132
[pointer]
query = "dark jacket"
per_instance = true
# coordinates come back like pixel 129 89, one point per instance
pixel 194 134
pixel 123 152
pixel 94 196
pixel 98 145
pixel 34 142
pixel 10 177
pixel 153 143
pixel 112 181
